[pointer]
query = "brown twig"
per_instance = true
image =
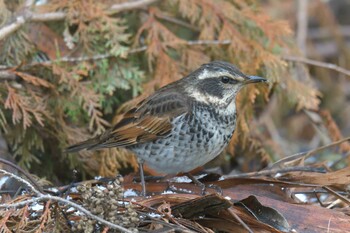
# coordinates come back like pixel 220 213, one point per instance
pixel 306 153
pixel 317 63
pixel 7 76
pixel 339 196
pixel 29 16
pixel 275 171
pixel 245 226
pixel 126 6
pixel 319 200
pixel 177 21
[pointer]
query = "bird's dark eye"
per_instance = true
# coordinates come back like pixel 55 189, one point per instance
pixel 225 79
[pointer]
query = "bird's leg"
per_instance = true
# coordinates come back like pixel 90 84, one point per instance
pixel 197 182
pixel 142 177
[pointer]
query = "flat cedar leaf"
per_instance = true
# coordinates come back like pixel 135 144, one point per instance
pixel 201 206
pixel 33 80
pixel 264 214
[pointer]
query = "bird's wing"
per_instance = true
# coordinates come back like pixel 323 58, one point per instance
pixel 150 120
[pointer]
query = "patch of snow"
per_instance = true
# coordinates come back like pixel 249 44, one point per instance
pixel 3 180
pixel 201 176
pixel 78 213
pixel 37 207
pixel 221 178
pixel 130 193
pixel 74 190
pixel 181 179
pixel 125 203
pixel 54 190
pixel 185 190
pixel 101 187
pixel 301 197
pixel 70 209
pixel 168 192
pixel 185 179
pixel 154 215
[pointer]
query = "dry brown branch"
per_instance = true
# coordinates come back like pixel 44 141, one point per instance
pixel 28 16
pixel 129 6
pixel 245 226
pixel 7 76
pixel 317 63
pixel 176 21
pixel 51 16
pixel 275 171
pixel 306 154
pixel 12 27
pixel 338 195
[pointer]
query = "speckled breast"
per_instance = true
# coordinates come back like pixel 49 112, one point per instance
pixel 195 139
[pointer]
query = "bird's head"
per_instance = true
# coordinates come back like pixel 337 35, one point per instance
pixel 218 83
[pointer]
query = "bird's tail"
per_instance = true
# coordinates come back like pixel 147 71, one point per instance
pixel 88 144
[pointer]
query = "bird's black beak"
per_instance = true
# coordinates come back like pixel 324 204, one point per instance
pixel 255 79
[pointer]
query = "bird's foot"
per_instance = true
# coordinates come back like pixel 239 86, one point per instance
pixel 202 186
pixel 217 188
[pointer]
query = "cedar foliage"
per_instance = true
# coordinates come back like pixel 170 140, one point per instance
pixel 68 80
pixel 57 102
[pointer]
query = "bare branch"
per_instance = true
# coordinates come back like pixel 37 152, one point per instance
pixel 129 6
pixel 318 63
pixel 275 171
pixel 305 154
pixel 20 179
pixel 54 16
pixel 338 195
pixel 11 28
pixel 26 174
pixel 7 76
pixel 177 21
pixel 245 226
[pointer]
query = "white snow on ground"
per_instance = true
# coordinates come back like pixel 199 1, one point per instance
pixel 130 193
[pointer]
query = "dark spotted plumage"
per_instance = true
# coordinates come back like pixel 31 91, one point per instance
pixel 182 125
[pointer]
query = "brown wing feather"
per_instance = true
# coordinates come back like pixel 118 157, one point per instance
pixel 146 129
pixel 150 120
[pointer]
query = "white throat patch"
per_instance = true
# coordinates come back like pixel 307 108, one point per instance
pixel 209 99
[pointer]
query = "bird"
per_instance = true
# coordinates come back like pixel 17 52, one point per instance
pixel 182 125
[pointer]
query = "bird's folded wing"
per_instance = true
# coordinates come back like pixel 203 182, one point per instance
pixel 150 120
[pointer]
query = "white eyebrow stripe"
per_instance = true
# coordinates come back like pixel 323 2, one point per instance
pixel 205 74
